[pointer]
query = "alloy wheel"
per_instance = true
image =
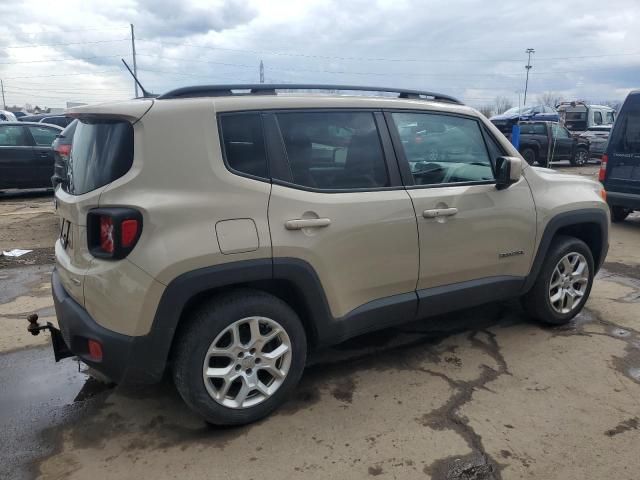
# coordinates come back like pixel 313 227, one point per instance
pixel 569 282
pixel 247 362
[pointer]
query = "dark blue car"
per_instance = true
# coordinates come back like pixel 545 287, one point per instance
pixel 506 120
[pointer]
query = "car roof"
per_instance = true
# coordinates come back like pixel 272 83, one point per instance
pixel 134 109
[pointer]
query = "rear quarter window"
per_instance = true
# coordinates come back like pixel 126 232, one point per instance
pixel 102 151
pixel 243 142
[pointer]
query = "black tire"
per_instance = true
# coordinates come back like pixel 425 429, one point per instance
pixel 529 154
pixel 580 157
pixel 536 302
pixel 209 320
pixel 619 214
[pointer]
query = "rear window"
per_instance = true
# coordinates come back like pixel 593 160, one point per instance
pixel 102 151
pixel 533 129
pixel 626 133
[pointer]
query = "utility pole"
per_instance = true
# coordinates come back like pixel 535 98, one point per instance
pixel 529 51
pixel 261 72
pixel 135 66
pixel 4 103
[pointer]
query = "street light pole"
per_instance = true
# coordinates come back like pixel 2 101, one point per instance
pixel 4 103
pixel 529 51
pixel 135 65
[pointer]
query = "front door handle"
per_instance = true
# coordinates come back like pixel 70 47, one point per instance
pixel 440 212
pixel 300 223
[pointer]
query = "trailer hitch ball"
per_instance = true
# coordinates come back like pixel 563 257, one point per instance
pixel 33 327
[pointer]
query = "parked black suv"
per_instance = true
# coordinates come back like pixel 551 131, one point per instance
pixel 620 167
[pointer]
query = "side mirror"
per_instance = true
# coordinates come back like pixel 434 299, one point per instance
pixel 508 171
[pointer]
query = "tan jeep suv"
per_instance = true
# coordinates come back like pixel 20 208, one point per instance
pixel 223 232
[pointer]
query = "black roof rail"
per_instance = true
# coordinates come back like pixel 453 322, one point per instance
pixel 270 89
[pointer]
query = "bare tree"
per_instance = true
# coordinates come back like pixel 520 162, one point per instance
pixel 501 105
pixel 550 99
pixel 486 110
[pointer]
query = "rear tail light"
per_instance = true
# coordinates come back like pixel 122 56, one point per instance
pixel 64 151
pixel 113 232
pixel 602 174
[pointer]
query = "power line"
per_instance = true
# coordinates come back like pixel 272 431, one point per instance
pixel 34 45
pixel 103 72
pixel 347 72
pixel 100 91
pixel 62 59
pixel 328 57
pixel 377 59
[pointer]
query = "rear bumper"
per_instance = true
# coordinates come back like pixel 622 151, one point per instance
pixel 124 359
pixel 626 200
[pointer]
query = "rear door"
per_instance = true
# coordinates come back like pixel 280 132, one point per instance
pixel 43 158
pixel 337 203
pixel 623 166
pixel 16 155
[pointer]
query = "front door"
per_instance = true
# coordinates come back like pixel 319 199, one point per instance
pixel 338 204
pixel 472 236
pixel 16 156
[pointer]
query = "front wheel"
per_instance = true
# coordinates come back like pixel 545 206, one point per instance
pixel 581 157
pixel 563 284
pixel 239 356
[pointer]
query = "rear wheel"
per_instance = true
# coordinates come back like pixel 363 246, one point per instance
pixel 619 214
pixel 563 284
pixel 240 356
pixel 529 154
pixel 580 157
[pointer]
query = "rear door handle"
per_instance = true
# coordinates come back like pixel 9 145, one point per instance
pixel 300 223
pixel 440 212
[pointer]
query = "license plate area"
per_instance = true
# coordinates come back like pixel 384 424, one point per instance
pixel 65 233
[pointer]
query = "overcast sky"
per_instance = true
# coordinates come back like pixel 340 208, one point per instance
pixel 69 50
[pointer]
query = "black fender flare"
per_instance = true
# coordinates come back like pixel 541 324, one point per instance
pixel 151 351
pixel 566 219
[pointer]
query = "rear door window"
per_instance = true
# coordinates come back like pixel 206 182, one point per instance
pixel 43 136
pixel 334 150
pixel 102 152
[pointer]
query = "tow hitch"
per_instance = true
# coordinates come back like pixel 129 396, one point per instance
pixel 60 349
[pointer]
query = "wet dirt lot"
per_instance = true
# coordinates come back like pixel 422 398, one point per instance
pixel 481 394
